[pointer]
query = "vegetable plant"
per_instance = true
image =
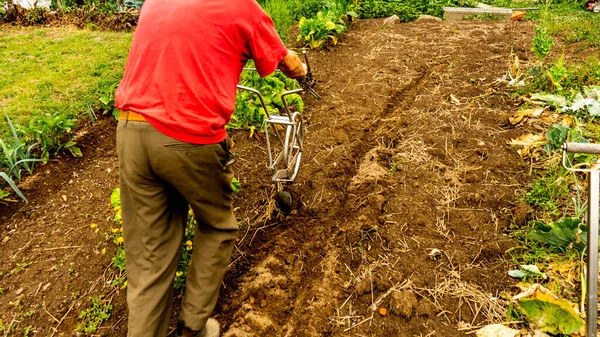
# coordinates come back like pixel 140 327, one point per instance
pixel 51 132
pixel 321 30
pixel 542 43
pixel 249 113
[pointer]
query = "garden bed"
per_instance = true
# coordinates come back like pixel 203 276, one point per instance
pixel 405 191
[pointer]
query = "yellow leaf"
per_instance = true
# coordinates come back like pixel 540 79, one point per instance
pixel 529 140
pixel 115 230
pixel 383 311
pixel 103 251
pixel 120 240
pixel 568 121
pixel 189 243
pixel 520 115
pixel 93 225
pixel 124 285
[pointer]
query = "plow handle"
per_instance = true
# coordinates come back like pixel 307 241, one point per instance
pixel 587 148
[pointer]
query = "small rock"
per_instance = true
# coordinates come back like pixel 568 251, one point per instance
pixel 392 20
pixel 404 303
pixel 19 291
pixel 263 303
pixel 428 18
pixel 434 253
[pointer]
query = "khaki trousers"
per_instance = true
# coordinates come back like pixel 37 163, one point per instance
pixel 159 178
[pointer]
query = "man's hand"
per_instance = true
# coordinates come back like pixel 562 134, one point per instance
pixel 292 66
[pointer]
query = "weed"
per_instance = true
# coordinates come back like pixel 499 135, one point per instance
pixel 282 16
pixel 92 317
pixel 548 191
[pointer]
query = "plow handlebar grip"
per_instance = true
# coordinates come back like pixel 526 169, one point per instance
pixel 587 148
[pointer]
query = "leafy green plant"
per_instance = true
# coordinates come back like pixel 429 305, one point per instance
pixel 527 271
pixel 92 317
pixel 17 155
pixel 542 43
pixel 321 30
pixel 566 233
pixel 236 186
pixel 51 132
pixel 249 113
pixel 558 73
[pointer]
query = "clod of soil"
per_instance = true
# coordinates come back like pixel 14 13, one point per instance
pixel 404 303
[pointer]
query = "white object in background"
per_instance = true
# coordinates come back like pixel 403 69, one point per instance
pixel 29 4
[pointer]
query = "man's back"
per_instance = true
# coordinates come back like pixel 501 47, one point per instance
pixel 186 59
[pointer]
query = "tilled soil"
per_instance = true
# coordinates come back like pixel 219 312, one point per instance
pixel 403 202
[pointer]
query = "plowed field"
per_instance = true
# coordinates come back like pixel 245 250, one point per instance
pixel 403 201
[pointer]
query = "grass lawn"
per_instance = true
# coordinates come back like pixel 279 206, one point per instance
pixel 567 20
pixel 58 70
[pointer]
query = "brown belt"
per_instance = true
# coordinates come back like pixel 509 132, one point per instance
pixel 132 116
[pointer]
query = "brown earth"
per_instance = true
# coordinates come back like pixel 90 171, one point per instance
pixel 404 200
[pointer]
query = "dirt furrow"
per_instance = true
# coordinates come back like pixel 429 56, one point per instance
pixel 396 170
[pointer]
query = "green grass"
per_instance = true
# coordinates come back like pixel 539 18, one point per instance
pixel 571 23
pixel 566 20
pixel 58 70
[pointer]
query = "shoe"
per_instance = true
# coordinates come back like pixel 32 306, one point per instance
pixel 211 329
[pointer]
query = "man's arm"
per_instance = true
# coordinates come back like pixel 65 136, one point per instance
pixel 292 66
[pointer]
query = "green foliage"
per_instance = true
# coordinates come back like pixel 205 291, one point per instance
pixel 558 134
pixel 79 67
pixel 557 74
pixel 527 271
pixel 17 154
pixel 11 183
pixel 235 185
pixel 187 249
pixel 281 13
pixel 560 235
pixel 51 132
pixel 407 10
pixel 548 191
pixel 567 21
pixel 308 8
pixel 91 318
pixel 249 113
pixel 322 30
pixel 542 43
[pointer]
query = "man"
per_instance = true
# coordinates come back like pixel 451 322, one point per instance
pixel 176 97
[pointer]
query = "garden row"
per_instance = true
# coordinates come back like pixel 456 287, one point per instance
pixel 559 94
